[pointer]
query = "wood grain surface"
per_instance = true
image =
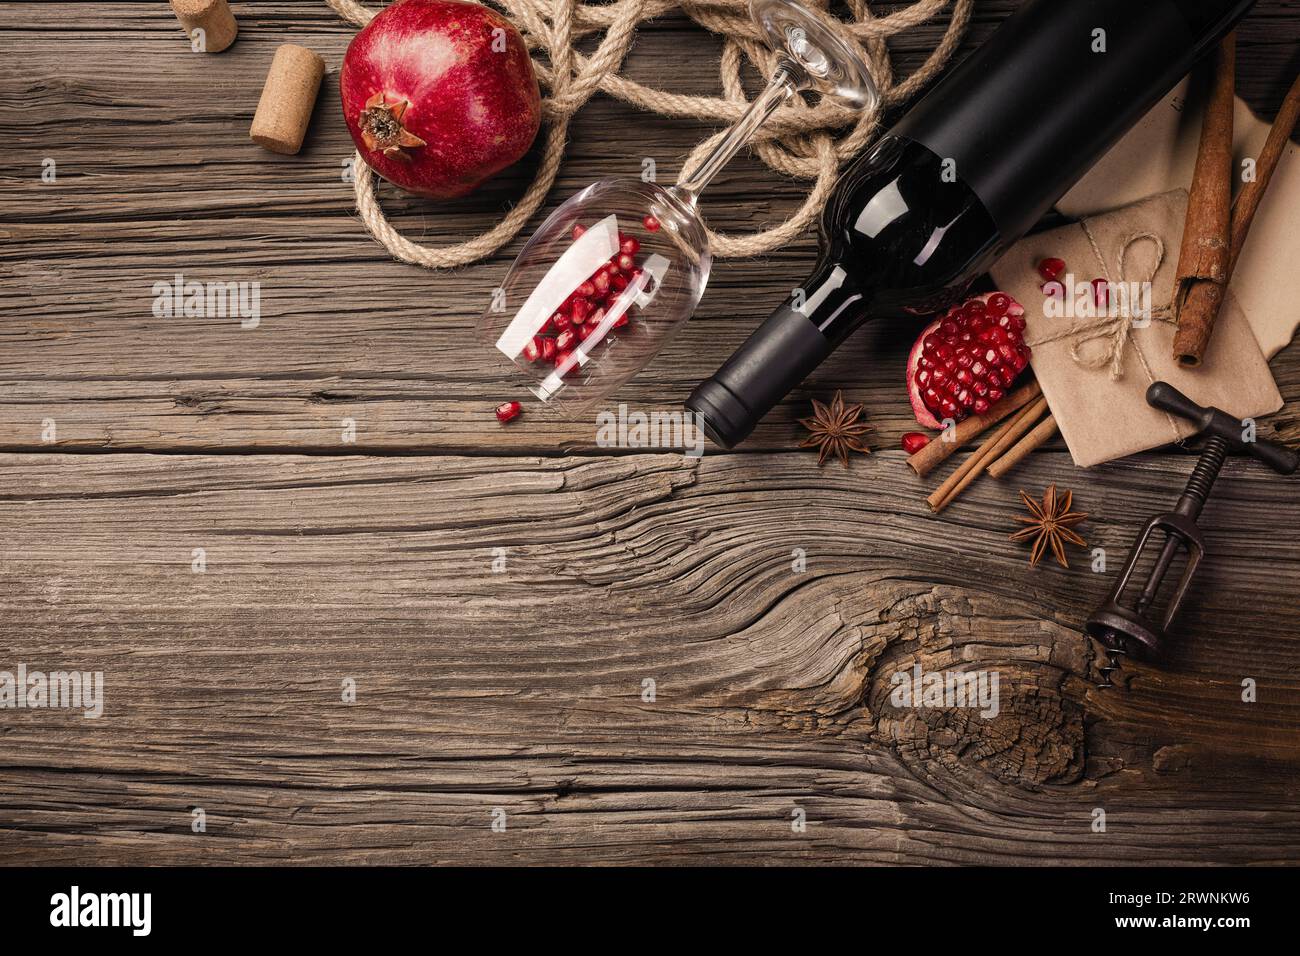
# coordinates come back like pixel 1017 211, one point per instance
pixel 626 657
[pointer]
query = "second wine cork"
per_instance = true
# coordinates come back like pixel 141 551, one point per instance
pixel 212 18
pixel 288 97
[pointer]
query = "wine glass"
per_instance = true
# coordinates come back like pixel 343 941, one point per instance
pixel 608 278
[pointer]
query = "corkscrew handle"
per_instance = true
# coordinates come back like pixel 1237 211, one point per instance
pixel 1216 423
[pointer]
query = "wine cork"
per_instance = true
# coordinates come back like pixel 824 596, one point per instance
pixel 213 17
pixel 285 108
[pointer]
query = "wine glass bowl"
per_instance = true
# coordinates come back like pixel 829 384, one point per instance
pixel 611 274
pixel 583 309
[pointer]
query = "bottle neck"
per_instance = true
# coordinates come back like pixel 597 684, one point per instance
pixel 832 301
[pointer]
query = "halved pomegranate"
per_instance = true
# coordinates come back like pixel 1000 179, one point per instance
pixel 965 360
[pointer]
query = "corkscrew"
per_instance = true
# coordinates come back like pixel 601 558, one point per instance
pixel 1137 628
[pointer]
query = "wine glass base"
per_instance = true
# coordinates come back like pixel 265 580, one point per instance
pixel 832 66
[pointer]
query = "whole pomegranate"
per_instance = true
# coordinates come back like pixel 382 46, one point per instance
pixel 439 95
pixel 965 360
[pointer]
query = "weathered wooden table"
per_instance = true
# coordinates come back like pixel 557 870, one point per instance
pixel 644 675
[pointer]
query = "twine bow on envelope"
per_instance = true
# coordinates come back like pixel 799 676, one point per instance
pixel 1115 330
pixel 1096 375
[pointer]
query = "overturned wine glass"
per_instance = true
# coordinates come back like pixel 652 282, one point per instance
pixel 613 272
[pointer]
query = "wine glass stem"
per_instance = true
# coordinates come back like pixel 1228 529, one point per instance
pixel 782 86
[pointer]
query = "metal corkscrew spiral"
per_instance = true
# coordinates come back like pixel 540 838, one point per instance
pixel 1132 628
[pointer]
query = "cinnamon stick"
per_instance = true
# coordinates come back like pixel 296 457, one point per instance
pixel 1021 449
pixel 1203 262
pixel 938 451
pixel 979 459
pixel 1248 200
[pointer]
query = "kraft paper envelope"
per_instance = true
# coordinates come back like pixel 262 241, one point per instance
pixel 1101 417
pixel 1159 154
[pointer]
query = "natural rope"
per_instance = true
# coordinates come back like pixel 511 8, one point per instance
pixel 799 140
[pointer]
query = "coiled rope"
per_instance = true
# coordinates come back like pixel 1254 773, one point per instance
pixel 801 141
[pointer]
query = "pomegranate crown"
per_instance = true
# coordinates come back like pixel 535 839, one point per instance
pixel 381 126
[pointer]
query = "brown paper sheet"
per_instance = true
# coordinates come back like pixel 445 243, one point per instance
pixel 1159 154
pixel 1102 419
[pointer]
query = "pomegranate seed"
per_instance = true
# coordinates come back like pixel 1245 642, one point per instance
pixel 586 290
pixel 618 283
pixel 625 261
pixel 1101 292
pixel 1051 269
pixel 548 350
pixel 914 442
pixel 629 246
pixel 508 410
pixel 579 310
pixel 966 359
pixel 651 223
pixel 578 230
pixel 561 322
pixel 601 281
pixel 533 349
pixel 564 342
pixel 565 363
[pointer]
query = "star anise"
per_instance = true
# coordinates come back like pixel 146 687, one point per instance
pixel 381 126
pixel 1051 525
pixel 836 430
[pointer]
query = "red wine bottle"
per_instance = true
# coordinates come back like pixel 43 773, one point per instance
pixel 964 174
